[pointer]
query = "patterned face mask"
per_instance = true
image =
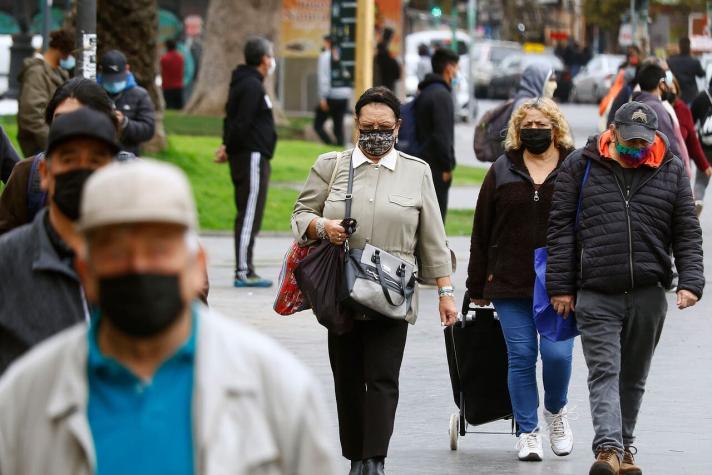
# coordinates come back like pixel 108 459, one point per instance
pixel 376 142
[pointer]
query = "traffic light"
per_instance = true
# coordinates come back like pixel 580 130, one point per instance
pixel 436 12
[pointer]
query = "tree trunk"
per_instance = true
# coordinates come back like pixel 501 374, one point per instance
pixel 228 26
pixel 131 26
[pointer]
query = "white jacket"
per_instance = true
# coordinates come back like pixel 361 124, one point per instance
pixel 257 410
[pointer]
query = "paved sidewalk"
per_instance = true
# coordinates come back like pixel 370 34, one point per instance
pixel 673 429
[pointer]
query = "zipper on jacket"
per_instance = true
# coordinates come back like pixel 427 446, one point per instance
pixel 626 199
pixel 536 195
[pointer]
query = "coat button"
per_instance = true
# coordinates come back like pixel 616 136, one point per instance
pixel 370 200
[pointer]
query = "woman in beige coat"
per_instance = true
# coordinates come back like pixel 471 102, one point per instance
pixel 396 209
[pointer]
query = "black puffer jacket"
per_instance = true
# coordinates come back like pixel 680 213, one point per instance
pixel 622 244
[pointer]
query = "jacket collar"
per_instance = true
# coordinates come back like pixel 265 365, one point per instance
pixel 389 160
pixel 45 257
pixel 516 160
pixel 597 148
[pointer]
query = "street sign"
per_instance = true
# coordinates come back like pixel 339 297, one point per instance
pixel 343 37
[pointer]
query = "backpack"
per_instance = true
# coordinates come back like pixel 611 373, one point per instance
pixel 705 125
pixel 490 132
pixel 408 134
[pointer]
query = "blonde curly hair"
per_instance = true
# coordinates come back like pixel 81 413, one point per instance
pixel 562 133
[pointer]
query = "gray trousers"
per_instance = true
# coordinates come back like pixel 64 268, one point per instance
pixel 619 334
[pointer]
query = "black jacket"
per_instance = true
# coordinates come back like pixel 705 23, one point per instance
pixel 435 123
pixel 249 123
pixel 622 243
pixel 140 117
pixel 686 69
pixel 8 156
pixel 40 293
pixel 511 221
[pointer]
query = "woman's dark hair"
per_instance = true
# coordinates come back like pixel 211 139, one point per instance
pixel 87 92
pixel 62 40
pixel 381 95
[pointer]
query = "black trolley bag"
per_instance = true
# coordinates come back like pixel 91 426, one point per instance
pixel 477 360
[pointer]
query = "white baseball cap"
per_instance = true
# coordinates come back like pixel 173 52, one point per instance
pixel 139 191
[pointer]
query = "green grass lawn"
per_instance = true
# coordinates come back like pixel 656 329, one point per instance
pixel 293 159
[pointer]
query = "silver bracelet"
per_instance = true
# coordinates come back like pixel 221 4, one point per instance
pixel 320 228
pixel 446 292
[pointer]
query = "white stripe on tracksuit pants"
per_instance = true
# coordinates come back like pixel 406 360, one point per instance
pixel 250 177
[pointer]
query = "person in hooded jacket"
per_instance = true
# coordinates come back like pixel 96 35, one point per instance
pixel 538 80
pixel 435 122
pixel 249 140
pixel 41 75
pixel 634 207
pixel 512 213
pixel 134 108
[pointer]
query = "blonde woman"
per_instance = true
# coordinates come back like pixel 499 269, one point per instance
pixel 512 215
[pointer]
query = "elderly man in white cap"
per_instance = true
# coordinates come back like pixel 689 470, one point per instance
pixel 156 383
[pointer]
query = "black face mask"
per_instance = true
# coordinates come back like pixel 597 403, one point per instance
pixel 669 96
pixel 535 140
pixel 68 191
pixel 141 305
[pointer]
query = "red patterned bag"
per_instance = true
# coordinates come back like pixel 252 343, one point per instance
pixel 290 299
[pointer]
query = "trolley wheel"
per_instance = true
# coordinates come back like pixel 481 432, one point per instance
pixel 454 430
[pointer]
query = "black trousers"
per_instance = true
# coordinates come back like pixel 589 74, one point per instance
pixel 366 364
pixel 173 98
pixel 250 176
pixel 337 109
pixel 442 189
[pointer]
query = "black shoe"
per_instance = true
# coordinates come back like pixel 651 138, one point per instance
pixel 373 466
pixel 356 467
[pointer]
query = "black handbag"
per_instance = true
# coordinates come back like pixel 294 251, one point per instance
pixel 376 282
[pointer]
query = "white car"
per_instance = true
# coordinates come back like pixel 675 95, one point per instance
pixel 435 39
pixel 594 80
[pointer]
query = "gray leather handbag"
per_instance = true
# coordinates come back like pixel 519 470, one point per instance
pixel 376 282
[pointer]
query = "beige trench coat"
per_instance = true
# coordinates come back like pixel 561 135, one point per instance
pixel 257 411
pixel 396 210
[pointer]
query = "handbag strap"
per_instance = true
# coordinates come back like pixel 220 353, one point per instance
pixel 349 188
pixel 382 280
pixel 584 179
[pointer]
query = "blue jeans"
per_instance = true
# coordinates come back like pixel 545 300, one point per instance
pixel 522 340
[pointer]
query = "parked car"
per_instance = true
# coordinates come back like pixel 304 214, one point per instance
pixel 486 57
pixel 436 39
pixel 594 80
pixel 506 79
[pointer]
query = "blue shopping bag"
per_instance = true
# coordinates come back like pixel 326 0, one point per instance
pixel 548 323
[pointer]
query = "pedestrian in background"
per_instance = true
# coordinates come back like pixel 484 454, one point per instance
pixel 701 109
pixel 387 70
pixel 512 215
pixel 425 65
pixel 435 122
pixel 395 208
pixel 156 383
pixel 134 108
pixel 635 209
pixel 249 140
pixel 687 130
pixel 41 75
pixel 41 294
pixel 23 196
pixel 686 69
pixel 172 64
pixel 333 101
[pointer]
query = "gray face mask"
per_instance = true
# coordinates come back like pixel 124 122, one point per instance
pixel 376 142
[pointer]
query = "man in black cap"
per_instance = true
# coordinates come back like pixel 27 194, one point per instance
pixel 620 205
pixel 134 108
pixel 40 293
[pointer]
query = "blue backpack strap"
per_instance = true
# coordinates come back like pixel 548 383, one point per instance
pixel 36 197
pixel 584 179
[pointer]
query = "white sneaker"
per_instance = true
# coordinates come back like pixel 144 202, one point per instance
pixel 560 435
pixel 529 446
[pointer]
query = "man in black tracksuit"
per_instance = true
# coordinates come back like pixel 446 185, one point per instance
pixel 635 207
pixel 249 139
pixel 435 122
